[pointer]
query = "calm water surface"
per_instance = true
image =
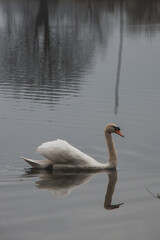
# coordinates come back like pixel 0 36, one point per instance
pixel 67 68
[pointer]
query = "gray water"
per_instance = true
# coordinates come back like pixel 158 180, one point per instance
pixel 67 68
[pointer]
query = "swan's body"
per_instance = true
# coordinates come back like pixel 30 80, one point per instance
pixel 61 155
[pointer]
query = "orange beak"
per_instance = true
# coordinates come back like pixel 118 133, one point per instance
pixel 119 133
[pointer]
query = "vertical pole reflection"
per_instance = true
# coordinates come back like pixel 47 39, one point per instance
pixel 119 59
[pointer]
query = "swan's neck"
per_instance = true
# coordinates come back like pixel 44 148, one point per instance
pixel 112 162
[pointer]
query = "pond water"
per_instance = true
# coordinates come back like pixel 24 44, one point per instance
pixel 67 68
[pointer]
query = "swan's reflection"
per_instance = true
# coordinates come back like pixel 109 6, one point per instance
pixel 61 183
pixel 112 180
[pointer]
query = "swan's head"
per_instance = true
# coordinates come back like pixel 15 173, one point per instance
pixel 113 128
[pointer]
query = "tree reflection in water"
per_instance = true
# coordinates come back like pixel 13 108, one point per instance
pixel 48 46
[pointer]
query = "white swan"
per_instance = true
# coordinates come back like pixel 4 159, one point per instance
pixel 61 155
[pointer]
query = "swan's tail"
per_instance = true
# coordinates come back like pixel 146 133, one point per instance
pixel 38 163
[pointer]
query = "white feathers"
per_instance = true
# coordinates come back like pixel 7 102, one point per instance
pixel 61 152
pixel 61 155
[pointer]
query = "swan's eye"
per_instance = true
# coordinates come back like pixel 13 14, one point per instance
pixel 116 129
